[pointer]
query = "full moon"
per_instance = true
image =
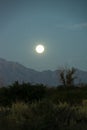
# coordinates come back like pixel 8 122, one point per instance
pixel 39 48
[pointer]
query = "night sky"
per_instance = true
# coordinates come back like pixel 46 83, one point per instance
pixel 60 25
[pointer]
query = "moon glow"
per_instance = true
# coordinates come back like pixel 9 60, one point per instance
pixel 39 48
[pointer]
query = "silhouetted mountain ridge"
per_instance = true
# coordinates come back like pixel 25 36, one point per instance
pixel 13 71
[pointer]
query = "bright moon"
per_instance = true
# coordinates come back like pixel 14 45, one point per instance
pixel 39 48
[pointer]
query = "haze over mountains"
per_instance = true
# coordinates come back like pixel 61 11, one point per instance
pixel 13 71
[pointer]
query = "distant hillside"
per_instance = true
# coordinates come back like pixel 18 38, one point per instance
pixel 12 71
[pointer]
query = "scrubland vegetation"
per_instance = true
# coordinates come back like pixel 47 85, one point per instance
pixel 37 107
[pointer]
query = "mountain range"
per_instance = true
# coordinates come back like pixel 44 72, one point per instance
pixel 13 71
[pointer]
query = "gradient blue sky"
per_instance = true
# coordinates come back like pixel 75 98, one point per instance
pixel 61 25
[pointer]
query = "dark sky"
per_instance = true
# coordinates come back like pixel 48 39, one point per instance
pixel 60 25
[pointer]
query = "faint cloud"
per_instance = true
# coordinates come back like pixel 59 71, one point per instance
pixel 72 26
pixel 79 26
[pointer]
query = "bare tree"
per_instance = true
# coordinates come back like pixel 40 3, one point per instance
pixel 67 76
pixel 62 77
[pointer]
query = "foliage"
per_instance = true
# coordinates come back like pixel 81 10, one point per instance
pixel 21 92
pixel 37 107
pixel 44 115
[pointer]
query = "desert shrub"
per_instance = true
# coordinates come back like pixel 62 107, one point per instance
pixel 21 92
pixel 36 107
pixel 45 115
pixel 4 97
